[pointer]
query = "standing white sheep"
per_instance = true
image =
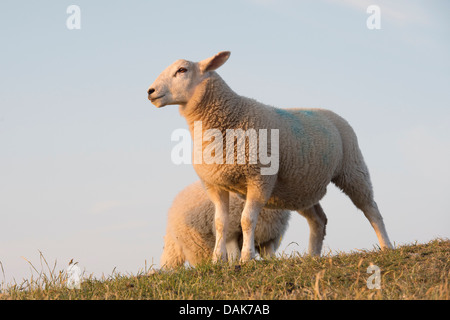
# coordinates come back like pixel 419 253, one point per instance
pixel 190 233
pixel 316 147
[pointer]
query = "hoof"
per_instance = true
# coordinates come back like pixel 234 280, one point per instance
pixel 245 257
pixel 218 257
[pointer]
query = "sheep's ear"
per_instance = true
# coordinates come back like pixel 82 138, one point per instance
pixel 214 62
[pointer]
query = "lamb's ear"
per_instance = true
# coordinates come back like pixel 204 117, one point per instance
pixel 214 62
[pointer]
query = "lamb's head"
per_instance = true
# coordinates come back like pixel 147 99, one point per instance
pixel 177 83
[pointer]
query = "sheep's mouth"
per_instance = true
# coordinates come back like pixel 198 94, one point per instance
pixel 154 99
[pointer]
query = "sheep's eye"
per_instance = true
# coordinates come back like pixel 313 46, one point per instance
pixel 181 70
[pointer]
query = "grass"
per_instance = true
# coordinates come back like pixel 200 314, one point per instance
pixel 414 271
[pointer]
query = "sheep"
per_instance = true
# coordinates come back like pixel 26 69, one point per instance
pixel 316 147
pixel 190 233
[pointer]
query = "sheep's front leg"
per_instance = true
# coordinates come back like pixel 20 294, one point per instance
pixel 249 218
pixel 220 198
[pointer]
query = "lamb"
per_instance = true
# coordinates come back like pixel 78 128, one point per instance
pixel 316 147
pixel 190 234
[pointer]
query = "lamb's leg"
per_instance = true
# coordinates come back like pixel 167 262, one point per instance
pixel 220 198
pixel 233 250
pixel 267 249
pixel 317 221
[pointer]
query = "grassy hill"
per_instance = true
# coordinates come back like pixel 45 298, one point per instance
pixel 415 271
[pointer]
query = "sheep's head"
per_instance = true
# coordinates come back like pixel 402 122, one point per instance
pixel 177 83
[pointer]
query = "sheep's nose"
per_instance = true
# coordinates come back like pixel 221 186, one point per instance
pixel 151 90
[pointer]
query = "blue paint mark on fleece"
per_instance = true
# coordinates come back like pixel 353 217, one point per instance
pixel 294 122
pixel 325 158
pixel 307 112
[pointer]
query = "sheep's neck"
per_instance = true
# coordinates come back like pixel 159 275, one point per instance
pixel 215 105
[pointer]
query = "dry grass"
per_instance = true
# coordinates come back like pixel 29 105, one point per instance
pixel 415 271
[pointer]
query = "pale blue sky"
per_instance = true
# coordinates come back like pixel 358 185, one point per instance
pixel 85 168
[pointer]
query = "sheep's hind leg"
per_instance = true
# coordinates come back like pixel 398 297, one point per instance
pixel 317 221
pixel 358 187
pixel 376 220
